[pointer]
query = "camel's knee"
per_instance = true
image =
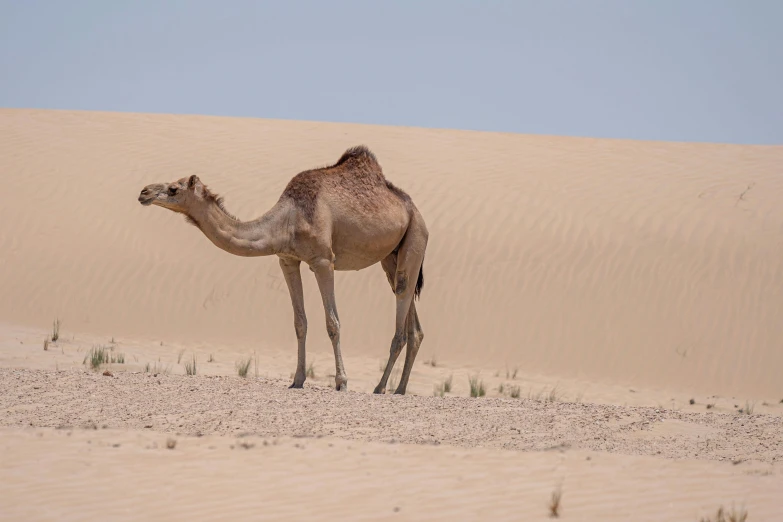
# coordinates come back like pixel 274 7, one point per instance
pixel 333 328
pixel 415 332
pixel 418 337
pixel 398 342
pixel 401 283
pixel 300 325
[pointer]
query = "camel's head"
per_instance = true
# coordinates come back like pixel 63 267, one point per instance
pixel 179 196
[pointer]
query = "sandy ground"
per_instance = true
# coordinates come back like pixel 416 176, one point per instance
pixel 619 300
pixel 76 444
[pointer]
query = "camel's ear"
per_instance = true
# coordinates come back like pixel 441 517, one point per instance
pixel 192 181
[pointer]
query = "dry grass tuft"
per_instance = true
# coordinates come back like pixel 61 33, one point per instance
pixel 444 387
pixel 179 356
pixel 190 366
pixel 477 388
pixel 310 373
pixel 46 344
pixel 723 516
pixel 554 503
pixel 99 355
pixel 157 368
pixel 748 409
pixel 55 330
pixel 211 358
pixel 514 392
pixel 552 396
pixel 243 365
pixel 96 356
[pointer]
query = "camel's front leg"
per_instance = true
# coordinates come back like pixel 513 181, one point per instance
pixel 324 274
pixel 293 279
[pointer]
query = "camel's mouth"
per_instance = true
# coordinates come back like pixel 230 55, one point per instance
pixel 146 200
pixel 148 195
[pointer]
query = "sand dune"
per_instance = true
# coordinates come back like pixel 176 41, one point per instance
pixel 627 292
pixel 642 263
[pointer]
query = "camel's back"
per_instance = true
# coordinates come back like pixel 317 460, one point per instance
pixel 355 183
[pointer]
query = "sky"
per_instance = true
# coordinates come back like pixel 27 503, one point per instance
pixel 674 70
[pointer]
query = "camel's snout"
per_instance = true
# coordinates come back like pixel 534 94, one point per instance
pixel 148 194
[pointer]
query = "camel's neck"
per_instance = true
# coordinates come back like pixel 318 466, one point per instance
pixel 241 238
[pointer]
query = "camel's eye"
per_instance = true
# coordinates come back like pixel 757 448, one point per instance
pixel 172 191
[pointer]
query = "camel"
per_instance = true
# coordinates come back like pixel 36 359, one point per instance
pixel 346 216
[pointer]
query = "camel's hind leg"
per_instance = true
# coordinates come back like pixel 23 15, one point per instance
pixel 415 337
pixel 389 265
pixel 402 271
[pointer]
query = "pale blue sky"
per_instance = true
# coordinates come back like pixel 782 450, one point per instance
pixel 683 70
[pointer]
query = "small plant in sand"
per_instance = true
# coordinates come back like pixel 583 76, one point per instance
pixel 156 368
pixel 443 388
pixel 310 373
pixel 211 358
pixel 514 392
pixel 512 374
pixel 179 356
pixel 552 396
pixel 55 330
pixel 476 387
pixel 501 388
pixel 190 366
pixel 432 362
pixel 96 356
pixel 748 409
pixel 723 516
pixel 554 503
pixel 243 366
pixel 46 344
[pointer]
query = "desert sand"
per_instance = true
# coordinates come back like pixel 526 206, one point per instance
pixel 620 300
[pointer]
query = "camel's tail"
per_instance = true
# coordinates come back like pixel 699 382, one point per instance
pixel 419 282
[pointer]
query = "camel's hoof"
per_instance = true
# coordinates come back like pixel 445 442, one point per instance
pixel 379 391
pixel 295 385
pixel 399 392
pixel 342 387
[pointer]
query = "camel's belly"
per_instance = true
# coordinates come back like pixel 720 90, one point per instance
pixel 357 251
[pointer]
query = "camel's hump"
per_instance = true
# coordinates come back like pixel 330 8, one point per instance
pixel 359 152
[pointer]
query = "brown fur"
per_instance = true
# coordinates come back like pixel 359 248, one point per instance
pixel 357 173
